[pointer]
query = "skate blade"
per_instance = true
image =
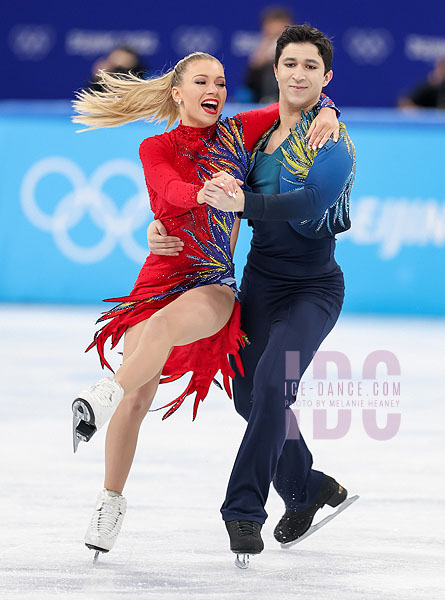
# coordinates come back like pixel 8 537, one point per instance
pixel 242 561
pixel 313 528
pixel 97 552
pixel 76 438
pixel 82 432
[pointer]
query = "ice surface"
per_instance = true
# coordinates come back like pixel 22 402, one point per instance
pixel 389 544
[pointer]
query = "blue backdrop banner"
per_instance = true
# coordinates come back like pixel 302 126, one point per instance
pixel 48 47
pixel 74 210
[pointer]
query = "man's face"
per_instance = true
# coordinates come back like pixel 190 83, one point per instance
pixel 300 75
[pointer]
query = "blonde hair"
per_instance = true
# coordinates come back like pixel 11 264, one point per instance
pixel 127 98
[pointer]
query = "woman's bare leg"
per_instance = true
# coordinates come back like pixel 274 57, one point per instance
pixel 196 314
pixel 123 429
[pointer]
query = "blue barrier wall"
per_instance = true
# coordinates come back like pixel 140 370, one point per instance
pixel 74 210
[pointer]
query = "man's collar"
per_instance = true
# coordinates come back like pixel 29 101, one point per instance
pixel 306 120
pixel 305 117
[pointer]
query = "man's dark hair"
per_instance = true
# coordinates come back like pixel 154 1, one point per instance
pixel 297 34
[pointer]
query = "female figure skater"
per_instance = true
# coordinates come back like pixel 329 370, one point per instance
pixel 182 314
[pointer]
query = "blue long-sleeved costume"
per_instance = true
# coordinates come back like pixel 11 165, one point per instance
pixel 291 296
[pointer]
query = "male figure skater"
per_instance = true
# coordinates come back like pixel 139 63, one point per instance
pixel 291 294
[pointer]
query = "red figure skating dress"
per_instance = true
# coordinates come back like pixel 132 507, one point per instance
pixel 176 164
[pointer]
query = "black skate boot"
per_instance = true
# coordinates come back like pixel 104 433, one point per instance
pixel 294 524
pixel 245 539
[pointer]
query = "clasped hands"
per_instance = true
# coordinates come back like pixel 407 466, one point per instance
pixel 222 192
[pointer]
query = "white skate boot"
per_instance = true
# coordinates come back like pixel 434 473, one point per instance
pixel 106 522
pixel 93 407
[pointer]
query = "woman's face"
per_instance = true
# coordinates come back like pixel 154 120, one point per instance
pixel 202 92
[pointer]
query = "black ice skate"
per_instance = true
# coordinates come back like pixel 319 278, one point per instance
pixel 296 525
pixel 245 539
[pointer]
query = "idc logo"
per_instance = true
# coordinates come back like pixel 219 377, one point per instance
pixel 87 199
pixel 344 395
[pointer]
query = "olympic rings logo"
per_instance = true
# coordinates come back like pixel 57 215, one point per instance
pixel 368 46
pixel 87 198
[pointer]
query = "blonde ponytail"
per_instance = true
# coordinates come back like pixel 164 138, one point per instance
pixel 127 98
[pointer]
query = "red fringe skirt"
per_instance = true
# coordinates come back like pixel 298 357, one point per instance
pixel 204 358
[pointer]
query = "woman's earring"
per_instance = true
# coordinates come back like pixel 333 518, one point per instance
pixel 179 101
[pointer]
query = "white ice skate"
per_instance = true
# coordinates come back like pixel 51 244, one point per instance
pixel 106 522
pixel 93 407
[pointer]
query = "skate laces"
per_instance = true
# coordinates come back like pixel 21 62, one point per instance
pixel 106 517
pixel 104 391
pixel 248 527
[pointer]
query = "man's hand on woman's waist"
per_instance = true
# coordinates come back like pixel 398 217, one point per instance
pixel 160 242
